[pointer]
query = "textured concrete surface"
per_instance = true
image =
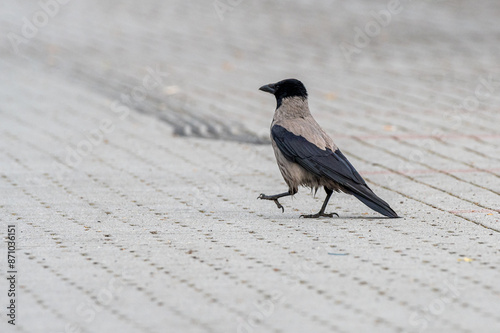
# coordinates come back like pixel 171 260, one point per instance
pixel 134 143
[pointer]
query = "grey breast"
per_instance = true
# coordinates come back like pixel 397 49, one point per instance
pixel 294 115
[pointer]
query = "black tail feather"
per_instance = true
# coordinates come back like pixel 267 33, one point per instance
pixel 366 196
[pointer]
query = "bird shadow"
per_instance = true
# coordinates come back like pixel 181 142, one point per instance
pixel 336 218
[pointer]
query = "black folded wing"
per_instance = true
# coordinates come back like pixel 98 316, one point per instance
pixel 329 164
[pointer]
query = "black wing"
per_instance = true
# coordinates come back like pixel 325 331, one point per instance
pixel 329 164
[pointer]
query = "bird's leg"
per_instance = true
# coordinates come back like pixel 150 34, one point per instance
pixel 322 211
pixel 275 198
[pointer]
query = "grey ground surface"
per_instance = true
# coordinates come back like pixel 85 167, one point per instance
pixel 134 143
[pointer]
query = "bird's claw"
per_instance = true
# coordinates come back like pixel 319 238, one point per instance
pixel 279 205
pixel 313 216
pixel 265 197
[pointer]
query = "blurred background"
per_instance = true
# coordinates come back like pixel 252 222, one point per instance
pixel 395 56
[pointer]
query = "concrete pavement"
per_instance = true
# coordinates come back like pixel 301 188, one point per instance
pixel 135 143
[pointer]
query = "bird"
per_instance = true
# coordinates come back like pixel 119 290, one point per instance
pixel 307 156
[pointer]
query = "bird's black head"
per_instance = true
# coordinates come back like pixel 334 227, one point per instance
pixel 285 88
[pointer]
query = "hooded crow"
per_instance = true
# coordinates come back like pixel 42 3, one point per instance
pixel 307 156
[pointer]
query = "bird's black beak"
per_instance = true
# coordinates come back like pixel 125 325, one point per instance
pixel 270 88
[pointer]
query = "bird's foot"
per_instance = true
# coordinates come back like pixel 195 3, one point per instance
pixel 273 198
pixel 314 216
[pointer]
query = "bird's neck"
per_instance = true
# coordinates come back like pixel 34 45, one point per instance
pixel 292 107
